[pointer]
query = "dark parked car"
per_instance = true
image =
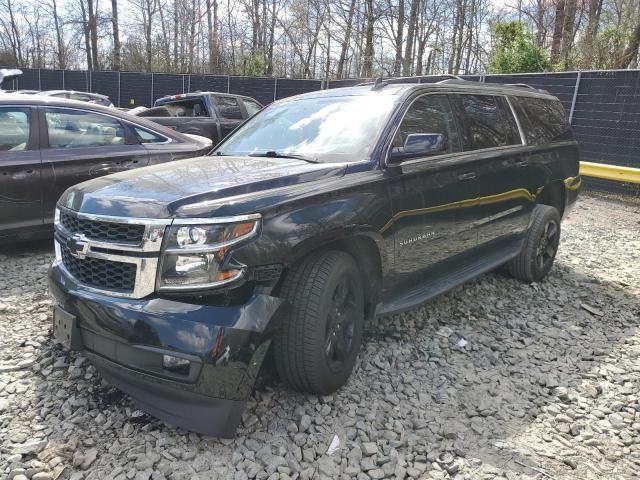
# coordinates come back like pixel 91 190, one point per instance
pixel 80 96
pixel 210 114
pixel 318 212
pixel 48 144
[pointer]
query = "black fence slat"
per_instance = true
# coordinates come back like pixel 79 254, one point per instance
pixel 605 109
pixel 135 89
pixel 107 83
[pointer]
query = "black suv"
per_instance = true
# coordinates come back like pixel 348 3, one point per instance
pixel 320 211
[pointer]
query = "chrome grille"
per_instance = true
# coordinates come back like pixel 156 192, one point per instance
pixel 117 256
pixel 100 273
pixel 102 231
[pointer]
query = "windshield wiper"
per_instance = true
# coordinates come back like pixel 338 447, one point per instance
pixel 274 154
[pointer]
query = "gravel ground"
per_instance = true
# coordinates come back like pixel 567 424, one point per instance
pixel 496 379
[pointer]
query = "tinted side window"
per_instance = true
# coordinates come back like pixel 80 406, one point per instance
pixel 145 136
pixel 251 107
pixel 429 114
pixel 486 122
pixel 228 108
pixel 187 108
pixel 76 129
pixel 542 120
pixel 14 128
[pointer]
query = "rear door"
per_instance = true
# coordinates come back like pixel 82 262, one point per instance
pixel 489 129
pixel 79 145
pixel 20 186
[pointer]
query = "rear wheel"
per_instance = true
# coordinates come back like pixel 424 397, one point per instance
pixel 319 339
pixel 540 247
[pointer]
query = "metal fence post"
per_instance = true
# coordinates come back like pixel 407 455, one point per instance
pixel 151 104
pixel 228 83
pixel 63 79
pixel 39 81
pixel 575 97
pixel 119 90
pixel 275 89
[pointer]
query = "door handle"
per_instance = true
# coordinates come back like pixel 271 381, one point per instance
pixel 521 163
pixel 467 176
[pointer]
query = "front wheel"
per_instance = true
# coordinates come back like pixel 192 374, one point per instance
pixel 319 339
pixel 540 246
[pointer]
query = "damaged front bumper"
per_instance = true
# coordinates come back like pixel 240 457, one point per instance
pixel 190 365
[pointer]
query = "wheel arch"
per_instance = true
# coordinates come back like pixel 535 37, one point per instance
pixel 366 250
pixel 554 195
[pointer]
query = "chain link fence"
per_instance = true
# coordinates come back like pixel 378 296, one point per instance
pixel 603 106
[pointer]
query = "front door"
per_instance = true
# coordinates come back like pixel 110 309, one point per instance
pixel 81 145
pixel 20 187
pixel 432 195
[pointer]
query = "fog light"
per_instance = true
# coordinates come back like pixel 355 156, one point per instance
pixel 175 364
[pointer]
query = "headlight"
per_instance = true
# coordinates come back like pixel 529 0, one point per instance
pixel 195 255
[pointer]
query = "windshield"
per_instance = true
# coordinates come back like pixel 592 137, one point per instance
pixel 325 129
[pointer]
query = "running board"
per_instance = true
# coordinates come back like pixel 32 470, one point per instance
pixel 438 284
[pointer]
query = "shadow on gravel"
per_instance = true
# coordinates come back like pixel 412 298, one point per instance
pixel 530 368
pixel 27 247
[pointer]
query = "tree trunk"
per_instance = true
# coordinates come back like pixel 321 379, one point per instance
pixel 87 40
pixel 93 34
pixel 631 52
pixel 593 15
pixel 367 63
pixel 147 33
pixel 558 25
pixel 408 51
pixel 568 30
pixel 272 35
pixel 347 38
pixel 60 54
pixel 16 42
pixel 116 35
pixel 397 65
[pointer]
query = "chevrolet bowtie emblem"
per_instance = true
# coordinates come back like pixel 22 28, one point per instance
pixel 78 245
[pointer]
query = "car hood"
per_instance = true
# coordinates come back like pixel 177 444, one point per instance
pixel 160 191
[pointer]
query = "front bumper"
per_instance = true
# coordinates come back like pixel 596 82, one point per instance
pixel 127 339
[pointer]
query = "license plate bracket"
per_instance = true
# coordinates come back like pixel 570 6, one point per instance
pixel 65 329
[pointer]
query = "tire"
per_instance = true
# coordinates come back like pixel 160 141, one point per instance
pixel 540 246
pixel 316 347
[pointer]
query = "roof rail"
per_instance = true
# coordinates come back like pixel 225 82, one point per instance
pixel 451 75
pixel 522 85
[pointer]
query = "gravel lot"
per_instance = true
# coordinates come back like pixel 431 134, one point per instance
pixel 546 386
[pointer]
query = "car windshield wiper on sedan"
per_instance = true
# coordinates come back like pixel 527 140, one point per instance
pixel 274 154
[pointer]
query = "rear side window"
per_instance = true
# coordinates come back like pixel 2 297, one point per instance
pixel 228 108
pixel 486 122
pixel 77 129
pixel 251 107
pixel 542 120
pixel 145 136
pixel 14 129
pixel 193 107
pixel 429 114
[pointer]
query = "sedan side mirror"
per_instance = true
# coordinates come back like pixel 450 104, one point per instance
pixel 418 145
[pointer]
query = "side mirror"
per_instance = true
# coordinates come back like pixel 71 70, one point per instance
pixel 418 145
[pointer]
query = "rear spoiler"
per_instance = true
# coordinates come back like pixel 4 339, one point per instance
pixel 8 74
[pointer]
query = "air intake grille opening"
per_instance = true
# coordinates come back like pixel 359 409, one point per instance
pixel 99 273
pixel 102 231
